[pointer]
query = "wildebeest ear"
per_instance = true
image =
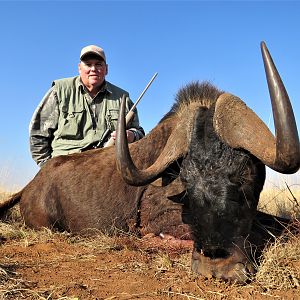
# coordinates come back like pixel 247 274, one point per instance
pixel 178 198
pixel 170 174
pixel 175 188
pixel 162 181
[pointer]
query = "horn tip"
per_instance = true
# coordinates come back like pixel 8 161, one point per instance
pixel 263 45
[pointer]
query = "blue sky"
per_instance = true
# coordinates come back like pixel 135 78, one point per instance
pixel 183 41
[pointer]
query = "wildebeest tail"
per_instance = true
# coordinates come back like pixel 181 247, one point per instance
pixel 9 203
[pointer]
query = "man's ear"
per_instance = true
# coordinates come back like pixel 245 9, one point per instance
pixel 106 69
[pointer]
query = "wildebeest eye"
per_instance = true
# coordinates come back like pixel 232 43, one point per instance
pixel 242 175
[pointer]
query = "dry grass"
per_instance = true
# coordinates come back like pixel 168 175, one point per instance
pixel 282 200
pixel 280 263
pixel 279 266
pixel 4 194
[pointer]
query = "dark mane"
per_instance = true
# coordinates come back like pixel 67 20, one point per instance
pixel 202 92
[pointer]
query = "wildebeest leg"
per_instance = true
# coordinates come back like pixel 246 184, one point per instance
pixel 43 210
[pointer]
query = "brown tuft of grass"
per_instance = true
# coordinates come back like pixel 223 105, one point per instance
pixel 95 239
pixel 280 262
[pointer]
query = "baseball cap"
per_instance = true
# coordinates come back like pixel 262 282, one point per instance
pixel 92 49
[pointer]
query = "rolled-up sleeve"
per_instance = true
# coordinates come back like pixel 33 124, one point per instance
pixel 43 123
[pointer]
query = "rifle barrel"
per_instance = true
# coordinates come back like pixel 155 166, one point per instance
pixel 130 114
pixel 144 91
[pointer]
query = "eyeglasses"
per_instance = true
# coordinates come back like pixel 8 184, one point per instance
pixel 98 66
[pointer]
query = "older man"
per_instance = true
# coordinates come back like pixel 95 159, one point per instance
pixel 77 111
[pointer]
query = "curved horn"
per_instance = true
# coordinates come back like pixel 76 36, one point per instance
pixel 176 147
pixel 125 165
pixel 287 158
pixel 240 127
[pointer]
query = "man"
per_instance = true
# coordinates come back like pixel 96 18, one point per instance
pixel 76 111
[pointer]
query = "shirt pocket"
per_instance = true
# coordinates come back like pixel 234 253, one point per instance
pixel 111 117
pixel 73 124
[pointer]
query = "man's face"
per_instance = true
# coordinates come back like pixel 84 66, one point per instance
pixel 92 72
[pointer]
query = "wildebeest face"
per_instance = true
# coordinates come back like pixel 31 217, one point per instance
pixel 223 187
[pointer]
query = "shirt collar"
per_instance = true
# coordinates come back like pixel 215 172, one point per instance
pixel 105 86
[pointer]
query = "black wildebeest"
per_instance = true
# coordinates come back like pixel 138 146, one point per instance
pixel 210 153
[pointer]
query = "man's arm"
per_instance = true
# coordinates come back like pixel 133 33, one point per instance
pixel 134 124
pixel 43 123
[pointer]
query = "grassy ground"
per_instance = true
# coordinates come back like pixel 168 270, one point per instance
pixel 47 265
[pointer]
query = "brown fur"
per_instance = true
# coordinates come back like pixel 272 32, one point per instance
pixel 84 190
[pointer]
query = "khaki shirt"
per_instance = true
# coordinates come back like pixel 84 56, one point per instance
pixel 68 119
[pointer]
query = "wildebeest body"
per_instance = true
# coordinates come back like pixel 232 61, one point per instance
pixel 82 192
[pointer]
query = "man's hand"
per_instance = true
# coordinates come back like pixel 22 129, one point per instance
pixel 130 136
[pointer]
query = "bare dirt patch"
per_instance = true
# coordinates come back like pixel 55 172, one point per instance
pixel 46 265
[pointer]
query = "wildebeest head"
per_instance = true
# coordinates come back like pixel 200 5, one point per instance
pixel 222 148
pixel 223 186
